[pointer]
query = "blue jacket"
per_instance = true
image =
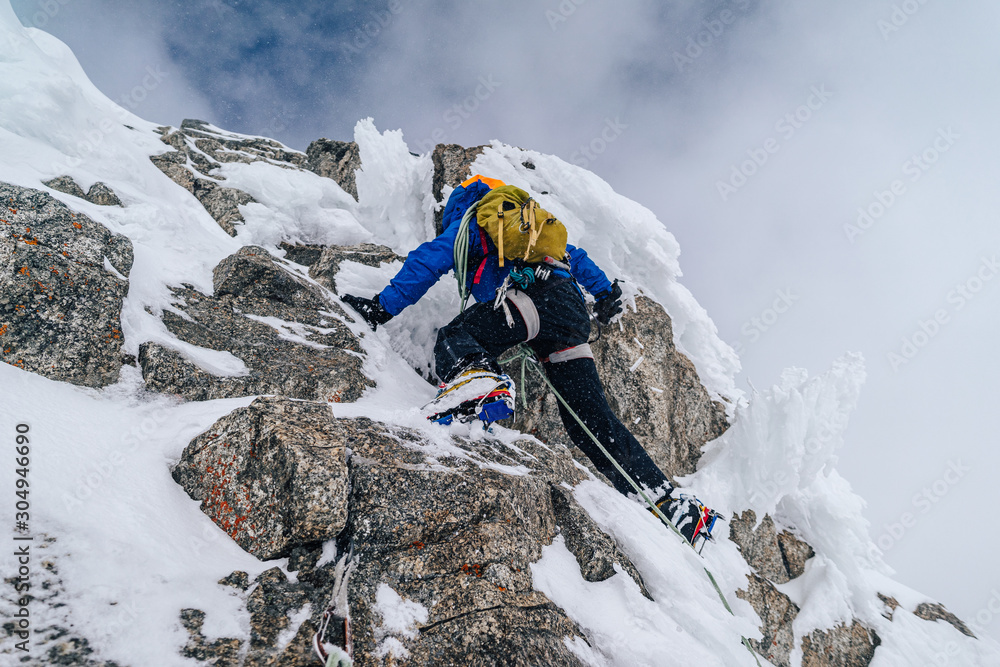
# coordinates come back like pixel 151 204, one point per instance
pixel 431 260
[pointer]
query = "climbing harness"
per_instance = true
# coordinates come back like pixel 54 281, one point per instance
pixel 526 355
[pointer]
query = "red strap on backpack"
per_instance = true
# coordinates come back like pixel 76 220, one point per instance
pixel 482 265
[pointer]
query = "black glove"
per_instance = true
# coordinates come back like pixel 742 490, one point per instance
pixel 608 304
pixel 370 309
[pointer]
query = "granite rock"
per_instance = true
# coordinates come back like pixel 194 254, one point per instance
pixel 63 278
pixel 451 166
pixel 338 160
pixel 272 475
pixel 932 611
pixel 292 340
pixel 453 533
pixel 324 270
pixel 99 193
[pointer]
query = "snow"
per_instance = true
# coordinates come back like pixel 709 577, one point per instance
pixel 778 459
pixel 127 536
pixel 294 332
pixel 638 361
pixel 910 641
pixel 132 549
pixel 627 628
pixel 294 206
pixel 400 618
pixel 295 619
pixel 394 188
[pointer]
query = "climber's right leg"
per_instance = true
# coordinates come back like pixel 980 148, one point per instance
pixel 578 383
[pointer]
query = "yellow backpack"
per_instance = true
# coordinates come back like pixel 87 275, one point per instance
pixel 519 228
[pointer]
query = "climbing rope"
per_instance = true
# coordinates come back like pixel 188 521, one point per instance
pixel 461 254
pixel 525 354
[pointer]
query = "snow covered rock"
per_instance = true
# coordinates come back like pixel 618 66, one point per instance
pixel 272 475
pixel 652 387
pixel 208 145
pixel 326 266
pixel 222 203
pixel 201 149
pixel 292 340
pixel 337 160
pixel 778 557
pixel 840 646
pixel 284 613
pixel 305 254
pixel 223 651
pixel 933 611
pixel 252 273
pixel 452 165
pixel 595 551
pixel 56 641
pixel 63 278
pixel 455 540
pixel 99 193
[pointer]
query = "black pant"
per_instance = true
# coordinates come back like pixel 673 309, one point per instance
pixel 480 334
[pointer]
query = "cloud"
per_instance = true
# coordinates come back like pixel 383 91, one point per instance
pixel 696 91
pixel 121 47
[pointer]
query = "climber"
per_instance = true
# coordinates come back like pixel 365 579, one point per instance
pixel 539 303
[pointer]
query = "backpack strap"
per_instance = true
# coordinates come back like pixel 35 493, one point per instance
pixel 528 225
pixel 499 240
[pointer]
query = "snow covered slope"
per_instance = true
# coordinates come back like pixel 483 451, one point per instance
pixel 124 549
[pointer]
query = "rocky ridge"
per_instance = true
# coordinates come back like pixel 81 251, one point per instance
pixel 199 149
pixel 457 544
pixel 293 340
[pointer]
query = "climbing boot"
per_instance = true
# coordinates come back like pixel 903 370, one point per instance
pixel 474 394
pixel 694 521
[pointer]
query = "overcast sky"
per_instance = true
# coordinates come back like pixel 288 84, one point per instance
pixel 758 134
